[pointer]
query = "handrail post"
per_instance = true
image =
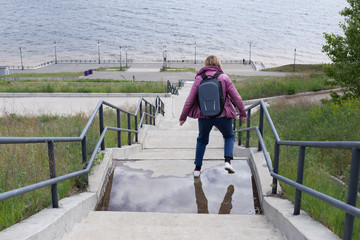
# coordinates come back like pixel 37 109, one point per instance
pixel 129 127
pixel 118 124
pixel 146 110
pixel 136 128
pixel 141 111
pixel 154 117
pixel 276 166
pixel 261 125
pixel 52 168
pixel 101 121
pixel 163 108
pixel 352 192
pixel 248 131
pixel 239 133
pixel 156 103
pixel 150 114
pixel 84 151
pixel 299 179
pixel 84 158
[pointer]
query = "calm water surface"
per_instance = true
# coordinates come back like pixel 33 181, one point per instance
pixel 221 27
pixel 214 192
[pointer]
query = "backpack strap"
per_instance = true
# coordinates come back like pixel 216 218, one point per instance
pixel 216 74
pixel 204 76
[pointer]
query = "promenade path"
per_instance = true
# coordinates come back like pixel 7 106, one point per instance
pixel 147 71
pixel 169 152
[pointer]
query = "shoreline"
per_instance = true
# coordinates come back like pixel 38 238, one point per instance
pixel 39 63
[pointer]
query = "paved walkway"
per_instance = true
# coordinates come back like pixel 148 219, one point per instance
pixel 171 143
pixel 148 71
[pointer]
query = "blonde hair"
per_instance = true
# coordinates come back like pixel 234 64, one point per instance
pixel 213 60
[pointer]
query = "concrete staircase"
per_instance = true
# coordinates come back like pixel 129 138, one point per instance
pixel 170 142
pixel 125 225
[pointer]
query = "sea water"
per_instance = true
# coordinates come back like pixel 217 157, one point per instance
pixel 262 30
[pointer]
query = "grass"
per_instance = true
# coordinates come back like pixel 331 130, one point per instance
pixel 25 164
pixel 299 68
pixel 261 87
pixel 316 123
pixel 45 75
pixel 177 69
pixel 81 86
pixel 123 68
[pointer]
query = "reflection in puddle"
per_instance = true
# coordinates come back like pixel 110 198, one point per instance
pixel 214 192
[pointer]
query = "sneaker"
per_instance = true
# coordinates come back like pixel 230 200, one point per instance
pixel 197 173
pixel 229 168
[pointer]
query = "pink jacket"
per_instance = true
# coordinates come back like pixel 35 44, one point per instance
pixel 191 108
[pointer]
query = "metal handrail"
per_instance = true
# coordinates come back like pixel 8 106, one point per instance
pixel 157 107
pixel 349 208
pixel 171 88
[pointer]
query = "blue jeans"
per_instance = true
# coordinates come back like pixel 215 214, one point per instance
pixel 205 125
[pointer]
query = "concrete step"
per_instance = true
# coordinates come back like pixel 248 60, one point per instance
pixel 177 154
pixel 173 123
pixel 137 225
pixel 175 139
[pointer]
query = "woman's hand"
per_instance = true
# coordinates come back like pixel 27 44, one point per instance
pixel 181 123
pixel 243 119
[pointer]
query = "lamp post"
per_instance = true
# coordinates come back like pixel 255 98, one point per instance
pixel 195 53
pixel 126 49
pixel 98 50
pixel 55 52
pixel 164 56
pixel 120 59
pixel 22 66
pixel 294 58
pixel 250 43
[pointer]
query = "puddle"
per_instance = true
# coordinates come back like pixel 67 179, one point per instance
pixel 215 192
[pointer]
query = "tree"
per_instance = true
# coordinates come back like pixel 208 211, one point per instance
pixel 344 52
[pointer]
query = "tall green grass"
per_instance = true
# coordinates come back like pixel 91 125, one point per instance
pixel 328 122
pixel 177 69
pixel 45 75
pixel 25 164
pixel 92 86
pixel 300 68
pixel 261 87
pixel 123 68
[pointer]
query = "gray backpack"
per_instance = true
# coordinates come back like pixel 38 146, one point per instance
pixel 210 96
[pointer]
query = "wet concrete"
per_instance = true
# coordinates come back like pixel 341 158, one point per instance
pixel 215 192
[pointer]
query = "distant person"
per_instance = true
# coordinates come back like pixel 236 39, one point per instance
pixel 223 122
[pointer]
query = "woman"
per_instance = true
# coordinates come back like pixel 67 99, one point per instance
pixel 223 122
